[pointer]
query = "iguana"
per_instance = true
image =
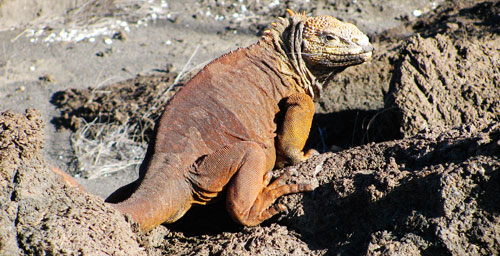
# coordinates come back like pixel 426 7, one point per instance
pixel 241 115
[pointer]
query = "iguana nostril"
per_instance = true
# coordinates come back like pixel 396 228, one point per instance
pixel 367 47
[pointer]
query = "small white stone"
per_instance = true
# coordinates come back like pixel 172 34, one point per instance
pixel 63 34
pixel 30 32
pixel 108 41
pixel 274 3
pixel 417 13
pixel 79 37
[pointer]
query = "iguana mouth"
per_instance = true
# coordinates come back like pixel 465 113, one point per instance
pixel 348 59
pixel 329 60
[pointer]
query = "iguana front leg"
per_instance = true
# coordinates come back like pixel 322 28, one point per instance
pixel 294 131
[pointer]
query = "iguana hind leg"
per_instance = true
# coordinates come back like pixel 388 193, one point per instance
pixel 241 169
pixel 294 131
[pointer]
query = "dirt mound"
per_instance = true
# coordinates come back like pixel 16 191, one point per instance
pixel 433 194
pixel 135 102
pixel 39 214
pixel 274 239
pixel 450 73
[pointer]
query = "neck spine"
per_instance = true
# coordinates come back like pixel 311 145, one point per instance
pixel 286 36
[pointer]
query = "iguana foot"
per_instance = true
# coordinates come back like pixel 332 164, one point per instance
pixel 273 192
pixel 263 208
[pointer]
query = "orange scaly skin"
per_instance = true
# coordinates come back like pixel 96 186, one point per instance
pixel 225 129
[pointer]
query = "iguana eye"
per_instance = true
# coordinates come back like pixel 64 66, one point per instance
pixel 330 37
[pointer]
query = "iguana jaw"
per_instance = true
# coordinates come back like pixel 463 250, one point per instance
pixel 353 54
pixel 337 60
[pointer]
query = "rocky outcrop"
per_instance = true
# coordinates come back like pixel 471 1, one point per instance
pixel 448 74
pixel 41 215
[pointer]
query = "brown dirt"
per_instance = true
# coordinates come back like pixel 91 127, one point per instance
pixel 18 13
pixel 132 102
pixel 40 215
pixel 432 193
pixel 450 73
pixel 423 195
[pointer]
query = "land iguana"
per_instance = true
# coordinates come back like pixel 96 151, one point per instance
pixel 243 114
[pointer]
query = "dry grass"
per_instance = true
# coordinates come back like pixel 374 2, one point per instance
pixel 111 150
pixel 105 148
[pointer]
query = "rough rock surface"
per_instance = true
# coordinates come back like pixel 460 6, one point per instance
pixel 449 74
pixel 40 215
pixel 435 193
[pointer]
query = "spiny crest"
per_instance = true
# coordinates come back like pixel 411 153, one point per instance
pixel 283 23
pixel 301 15
pixel 286 34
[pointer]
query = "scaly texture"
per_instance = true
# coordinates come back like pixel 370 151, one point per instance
pixel 224 130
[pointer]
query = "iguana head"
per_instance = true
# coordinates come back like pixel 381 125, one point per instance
pixel 330 43
pixel 318 47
